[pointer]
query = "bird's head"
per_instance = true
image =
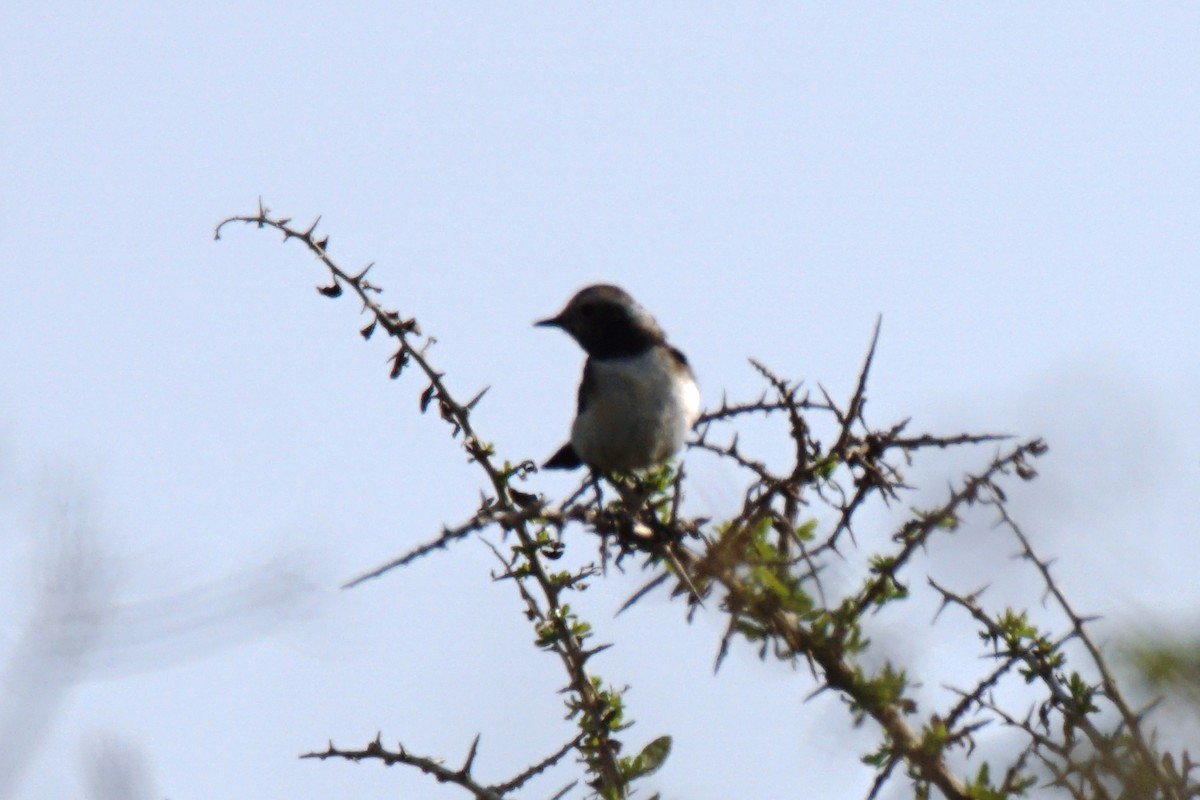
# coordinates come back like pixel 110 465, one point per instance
pixel 607 322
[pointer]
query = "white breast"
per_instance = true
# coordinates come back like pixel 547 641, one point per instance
pixel 638 413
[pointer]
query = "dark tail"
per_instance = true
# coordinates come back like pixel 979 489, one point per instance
pixel 565 458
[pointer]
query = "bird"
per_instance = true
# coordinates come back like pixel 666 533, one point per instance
pixel 638 398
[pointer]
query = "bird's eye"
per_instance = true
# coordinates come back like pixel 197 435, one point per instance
pixel 587 309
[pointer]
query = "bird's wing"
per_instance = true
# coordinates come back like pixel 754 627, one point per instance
pixel 681 361
pixel 587 387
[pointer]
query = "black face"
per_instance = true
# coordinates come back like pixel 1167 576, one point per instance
pixel 607 323
pixel 606 329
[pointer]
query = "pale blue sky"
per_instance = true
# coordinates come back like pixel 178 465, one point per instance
pixel 1015 188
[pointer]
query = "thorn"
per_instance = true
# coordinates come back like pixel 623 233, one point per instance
pixel 600 648
pixel 642 592
pixel 683 576
pixel 815 692
pixel 475 400
pixel 466 767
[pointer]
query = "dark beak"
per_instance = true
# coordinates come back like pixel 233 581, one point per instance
pixel 553 322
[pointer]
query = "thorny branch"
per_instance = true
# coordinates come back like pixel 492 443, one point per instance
pixel 430 766
pixel 765 568
pixel 566 641
pixel 435 767
pixel 1123 755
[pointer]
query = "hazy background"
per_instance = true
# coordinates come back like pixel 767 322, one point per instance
pixel 196 448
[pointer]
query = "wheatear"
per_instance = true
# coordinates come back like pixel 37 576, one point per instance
pixel 638 398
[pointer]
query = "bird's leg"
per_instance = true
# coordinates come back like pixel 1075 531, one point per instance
pixel 594 479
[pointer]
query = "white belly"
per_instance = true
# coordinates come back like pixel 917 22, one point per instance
pixel 638 413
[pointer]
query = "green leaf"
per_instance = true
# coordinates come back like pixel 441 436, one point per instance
pixel 808 531
pixel 650 759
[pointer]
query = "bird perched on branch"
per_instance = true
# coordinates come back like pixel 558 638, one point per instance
pixel 638 398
